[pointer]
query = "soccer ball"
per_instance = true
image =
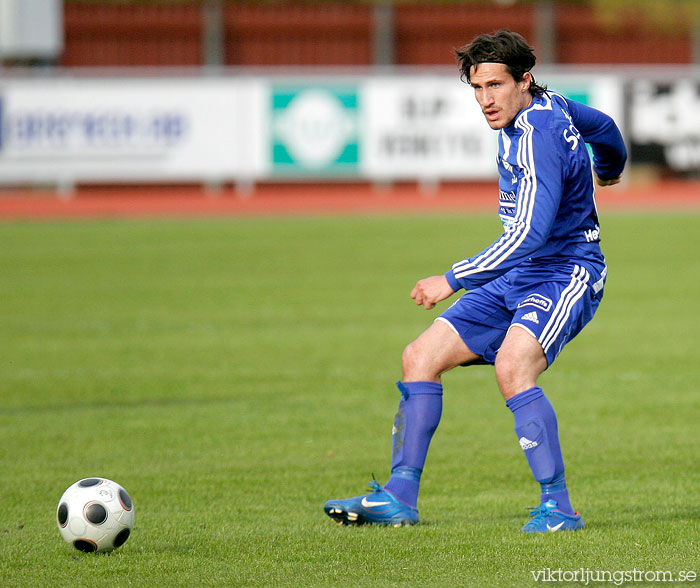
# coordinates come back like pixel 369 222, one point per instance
pixel 95 514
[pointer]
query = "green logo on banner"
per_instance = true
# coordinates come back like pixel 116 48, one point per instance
pixel 315 130
pixel 578 93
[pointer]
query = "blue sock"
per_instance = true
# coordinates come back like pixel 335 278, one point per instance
pixel 419 414
pixel 538 434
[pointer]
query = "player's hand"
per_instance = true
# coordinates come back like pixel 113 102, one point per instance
pixel 611 182
pixel 429 291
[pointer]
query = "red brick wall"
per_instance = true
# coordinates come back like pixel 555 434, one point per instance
pixel 124 34
pixel 584 38
pixel 341 34
pixel 302 34
pixel 427 34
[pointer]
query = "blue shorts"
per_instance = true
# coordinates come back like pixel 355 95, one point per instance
pixel 553 302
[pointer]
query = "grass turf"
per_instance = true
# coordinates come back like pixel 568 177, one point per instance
pixel 235 374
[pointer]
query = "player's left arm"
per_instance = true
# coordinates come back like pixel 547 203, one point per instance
pixel 610 182
pixel 602 134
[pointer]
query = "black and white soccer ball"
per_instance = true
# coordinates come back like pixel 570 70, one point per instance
pixel 95 514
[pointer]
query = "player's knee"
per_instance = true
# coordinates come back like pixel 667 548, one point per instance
pixel 415 363
pixel 410 357
pixel 504 368
pixel 510 375
pixel 517 372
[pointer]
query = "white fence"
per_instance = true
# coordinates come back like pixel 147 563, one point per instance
pixel 242 127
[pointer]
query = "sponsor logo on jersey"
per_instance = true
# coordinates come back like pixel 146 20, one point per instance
pixel 571 135
pixel 507 221
pixel 592 234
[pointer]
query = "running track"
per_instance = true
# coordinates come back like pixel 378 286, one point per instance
pixel 305 200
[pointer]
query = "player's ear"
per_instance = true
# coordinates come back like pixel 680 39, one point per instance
pixel 525 82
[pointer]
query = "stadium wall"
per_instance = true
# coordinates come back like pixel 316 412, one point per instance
pixel 334 33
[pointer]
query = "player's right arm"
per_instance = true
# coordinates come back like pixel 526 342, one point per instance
pixel 539 188
pixel 429 291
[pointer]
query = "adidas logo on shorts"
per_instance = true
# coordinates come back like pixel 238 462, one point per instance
pixel 532 317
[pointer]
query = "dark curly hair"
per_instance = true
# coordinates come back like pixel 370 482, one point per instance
pixel 503 46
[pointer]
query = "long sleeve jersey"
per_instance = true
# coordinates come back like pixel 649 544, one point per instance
pixel 546 193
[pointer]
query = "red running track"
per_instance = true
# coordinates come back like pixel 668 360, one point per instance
pixel 305 200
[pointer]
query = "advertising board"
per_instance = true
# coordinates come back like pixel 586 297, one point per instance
pixel 244 128
pixel 117 130
pixel 664 123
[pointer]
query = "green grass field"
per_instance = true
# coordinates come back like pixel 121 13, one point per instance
pixel 233 375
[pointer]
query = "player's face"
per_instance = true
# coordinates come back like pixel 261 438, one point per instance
pixel 501 98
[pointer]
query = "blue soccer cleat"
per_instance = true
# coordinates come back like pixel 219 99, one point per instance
pixel 547 518
pixel 378 508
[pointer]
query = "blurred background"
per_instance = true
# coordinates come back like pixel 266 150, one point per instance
pixel 232 95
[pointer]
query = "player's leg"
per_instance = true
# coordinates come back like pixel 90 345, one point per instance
pixel 469 331
pixel 437 350
pixel 547 316
pixel 518 364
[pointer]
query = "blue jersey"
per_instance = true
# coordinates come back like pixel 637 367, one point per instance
pixel 546 193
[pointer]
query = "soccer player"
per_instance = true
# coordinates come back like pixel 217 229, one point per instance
pixel 528 293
